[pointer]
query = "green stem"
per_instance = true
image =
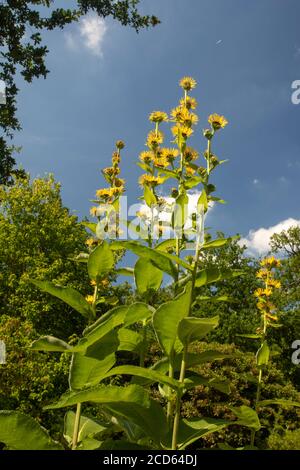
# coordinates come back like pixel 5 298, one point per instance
pixel 143 347
pixel 178 401
pixel 76 426
pixel 170 403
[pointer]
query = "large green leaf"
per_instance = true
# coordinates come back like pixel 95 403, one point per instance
pixel 138 312
pixel 88 428
pixel 263 355
pixel 191 329
pixel 193 429
pixel 218 243
pixel 148 374
pixel 246 417
pixel 50 343
pixel 21 432
pixel 88 369
pixel 101 261
pixel 192 359
pixel 125 271
pixel 180 211
pixel 167 317
pixel 147 276
pixel 212 275
pixel 129 340
pixel 149 197
pixel 105 395
pixel 68 295
pixel 195 380
pixel 90 225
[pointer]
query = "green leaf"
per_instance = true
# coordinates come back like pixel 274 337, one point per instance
pixel 191 329
pixel 138 312
pixel 195 380
pixel 212 275
pixel 192 182
pixel 218 243
pixel 148 374
pixel 129 340
pixel 263 355
pixel 90 225
pixel 166 245
pixel 149 198
pixel 221 298
pixel 101 261
pixel 250 336
pixel 190 430
pixel 167 317
pixel 279 402
pixel 147 276
pixel 21 432
pixel 88 369
pixel 125 271
pixel 105 395
pixel 88 428
pixel 202 204
pixel 49 343
pixel 246 417
pixel 180 211
pixel 68 295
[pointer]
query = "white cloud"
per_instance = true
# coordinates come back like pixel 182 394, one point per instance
pixel 257 241
pixel 255 181
pixel 90 33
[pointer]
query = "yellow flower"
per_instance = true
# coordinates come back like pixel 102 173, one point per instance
pixel 158 116
pixel 150 180
pixel 90 299
pixel 190 171
pixel 266 306
pixel 183 116
pixel 274 283
pixel 105 193
pixel 161 162
pixel 115 158
pixel 118 190
pixel 154 139
pixel 104 282
pixel 189 103
pixel 94 211
pixel 187 83
pixel 270 262
pixel 120 144
pixel 262 274
pixel 93 283
pixel 183 130
pixel 118 182
pixel 263 292
pixel 170 154
pixel 190 154
pixel 91 241
pixel 217 121
pixel 146 156
pixel 111 171
pixel 177 114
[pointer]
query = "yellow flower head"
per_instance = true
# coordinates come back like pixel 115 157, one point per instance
pixel 266 306
pixel 90 299
pixel 146 157
pixel 182 130
pixel 105 193
pixel 183 116
pixel 262 274
pixel 94 211
pixel 154 139
pixel 189 103
pixel 111 171
pixel 104 282
pixel 118 182
pixel 190 154
pixel 170 154
pixel 91 242
pixel 263 292
pixel 115 158
pixel 190 171
pixel 120 144
pixel 158 117
pixel 188 83
pixel 161 162
pixel 93 283
pixel 217 122
pixel 116 191
pixel 270 262
pixel 274 283
pixel 150 180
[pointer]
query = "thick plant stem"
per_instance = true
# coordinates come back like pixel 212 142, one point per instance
pixel 178 401
pixel 143 347
pixel 170 403
pixel 76 426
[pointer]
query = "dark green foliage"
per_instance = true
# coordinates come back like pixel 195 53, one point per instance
pixel 289 440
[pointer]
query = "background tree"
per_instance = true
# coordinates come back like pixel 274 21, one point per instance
pixel 27 54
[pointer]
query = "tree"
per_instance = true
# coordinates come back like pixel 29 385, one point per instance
pixel 27 55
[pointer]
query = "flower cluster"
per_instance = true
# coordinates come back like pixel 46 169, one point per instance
pixel 263 294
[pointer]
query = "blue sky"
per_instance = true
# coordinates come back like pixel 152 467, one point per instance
pixel 105 79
